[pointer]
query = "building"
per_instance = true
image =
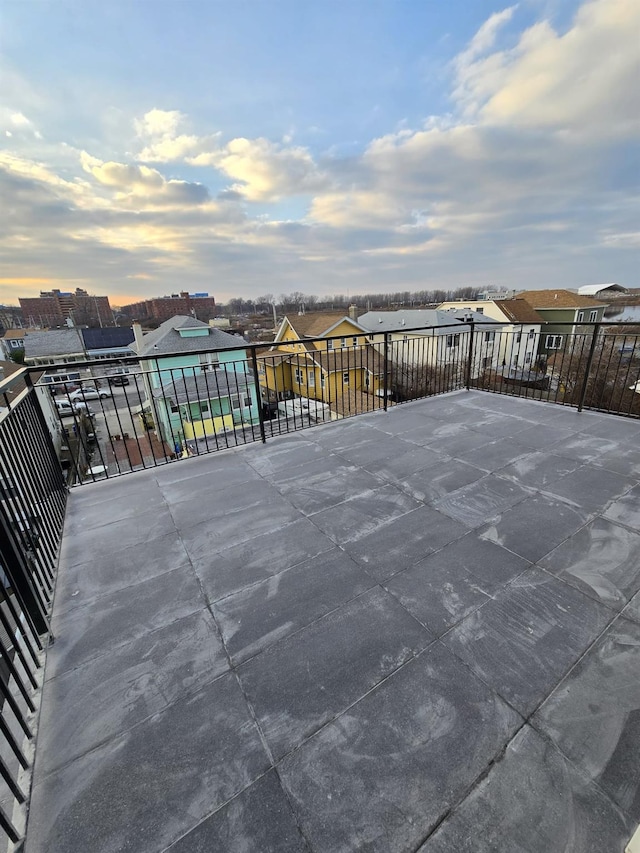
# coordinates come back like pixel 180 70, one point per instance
pixel 519 338
pixel 198 305
pixel 602 290
pixel 432 338
pixel 72 345
pixel 55 307
pixel 174 359
pixel 13 339
pixel 562 312
pixel 342 369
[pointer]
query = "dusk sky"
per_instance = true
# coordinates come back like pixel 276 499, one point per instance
pixel 245 148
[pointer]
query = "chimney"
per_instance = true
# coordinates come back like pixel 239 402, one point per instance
pixel 353 312
pixel 137 334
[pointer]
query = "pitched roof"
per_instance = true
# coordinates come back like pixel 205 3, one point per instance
pixel 420 318
pixel 367 358
pixel 558 299
pixel 205 386
pixel 518 310
pixel 109 337
pixel 315 324
pixel 52 343
pixel 16 334
pixel 167 338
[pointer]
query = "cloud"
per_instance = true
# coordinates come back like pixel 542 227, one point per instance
pixel 158 131
pixel 530 178
pixel 584 80
pixel 264 170
pixel 141 186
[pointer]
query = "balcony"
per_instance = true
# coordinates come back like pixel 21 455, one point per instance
pixel 415 630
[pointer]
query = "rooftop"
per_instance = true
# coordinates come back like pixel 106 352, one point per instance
pixel 385 321
pixel 408 631
pixel 559 299
pixel 518 310
pixel 167 338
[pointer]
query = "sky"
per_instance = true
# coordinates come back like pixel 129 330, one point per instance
pixel 347 146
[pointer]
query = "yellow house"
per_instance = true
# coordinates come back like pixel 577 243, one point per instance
pixel 323 356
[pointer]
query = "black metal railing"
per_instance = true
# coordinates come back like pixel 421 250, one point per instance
pixel 143 413
pixel 32 507
pixel 140 413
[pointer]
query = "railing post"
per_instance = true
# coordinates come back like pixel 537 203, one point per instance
pixel 254 366
pixel 386 366
pixel 470 357
pixel 587 370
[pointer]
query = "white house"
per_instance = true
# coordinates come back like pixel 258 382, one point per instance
pixel 433 337
pixel 517 343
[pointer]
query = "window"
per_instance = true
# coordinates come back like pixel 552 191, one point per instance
pixel 247 402
pixel 593 316
pixel 518 337
pixel 486 362
pixel 354 340
pixel 479 310
pixel 311 379
pixel 532 334
pixel 489 337
pixel 299 376
pixel 343 342
pixel 345 377
pixel 553 341
pixel 322 380
pixel 16 344
pixel 204 407
pixel 527 358
pixel 580 316
pixel 367 379
pixel 453 340
pixel 235 401
pixel 208 360
pixel 329 344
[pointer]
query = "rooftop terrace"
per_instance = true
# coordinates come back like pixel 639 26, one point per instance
pixel 412 631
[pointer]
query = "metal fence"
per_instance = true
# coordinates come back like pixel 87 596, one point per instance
pixel 32 506
pixel 110 418
pixel 139 414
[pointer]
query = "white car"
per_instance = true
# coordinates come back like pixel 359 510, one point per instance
pixel 65 407
pixel 83 394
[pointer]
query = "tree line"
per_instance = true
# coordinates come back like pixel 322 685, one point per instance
pixel 298 301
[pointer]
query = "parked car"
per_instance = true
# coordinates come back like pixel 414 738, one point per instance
pixel 90 394
pixel 67 388
pixel 120 379
pixel 65 407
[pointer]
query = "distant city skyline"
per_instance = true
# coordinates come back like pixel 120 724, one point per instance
pixel 369 146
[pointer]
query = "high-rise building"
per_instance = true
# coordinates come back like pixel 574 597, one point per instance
pixel 198 305
pixel 55 307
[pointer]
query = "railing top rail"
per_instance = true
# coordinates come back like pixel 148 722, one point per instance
pixel 250 348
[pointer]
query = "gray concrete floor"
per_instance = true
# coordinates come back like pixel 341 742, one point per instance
pixel 408 631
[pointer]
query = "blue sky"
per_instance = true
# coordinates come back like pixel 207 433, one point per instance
pixel 263 147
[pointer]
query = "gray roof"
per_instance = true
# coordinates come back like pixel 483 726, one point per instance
pixel 396 321
pixel 167 339
pixel 204 386
pixel 52 343
pixel 308 697
pixel 595 289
